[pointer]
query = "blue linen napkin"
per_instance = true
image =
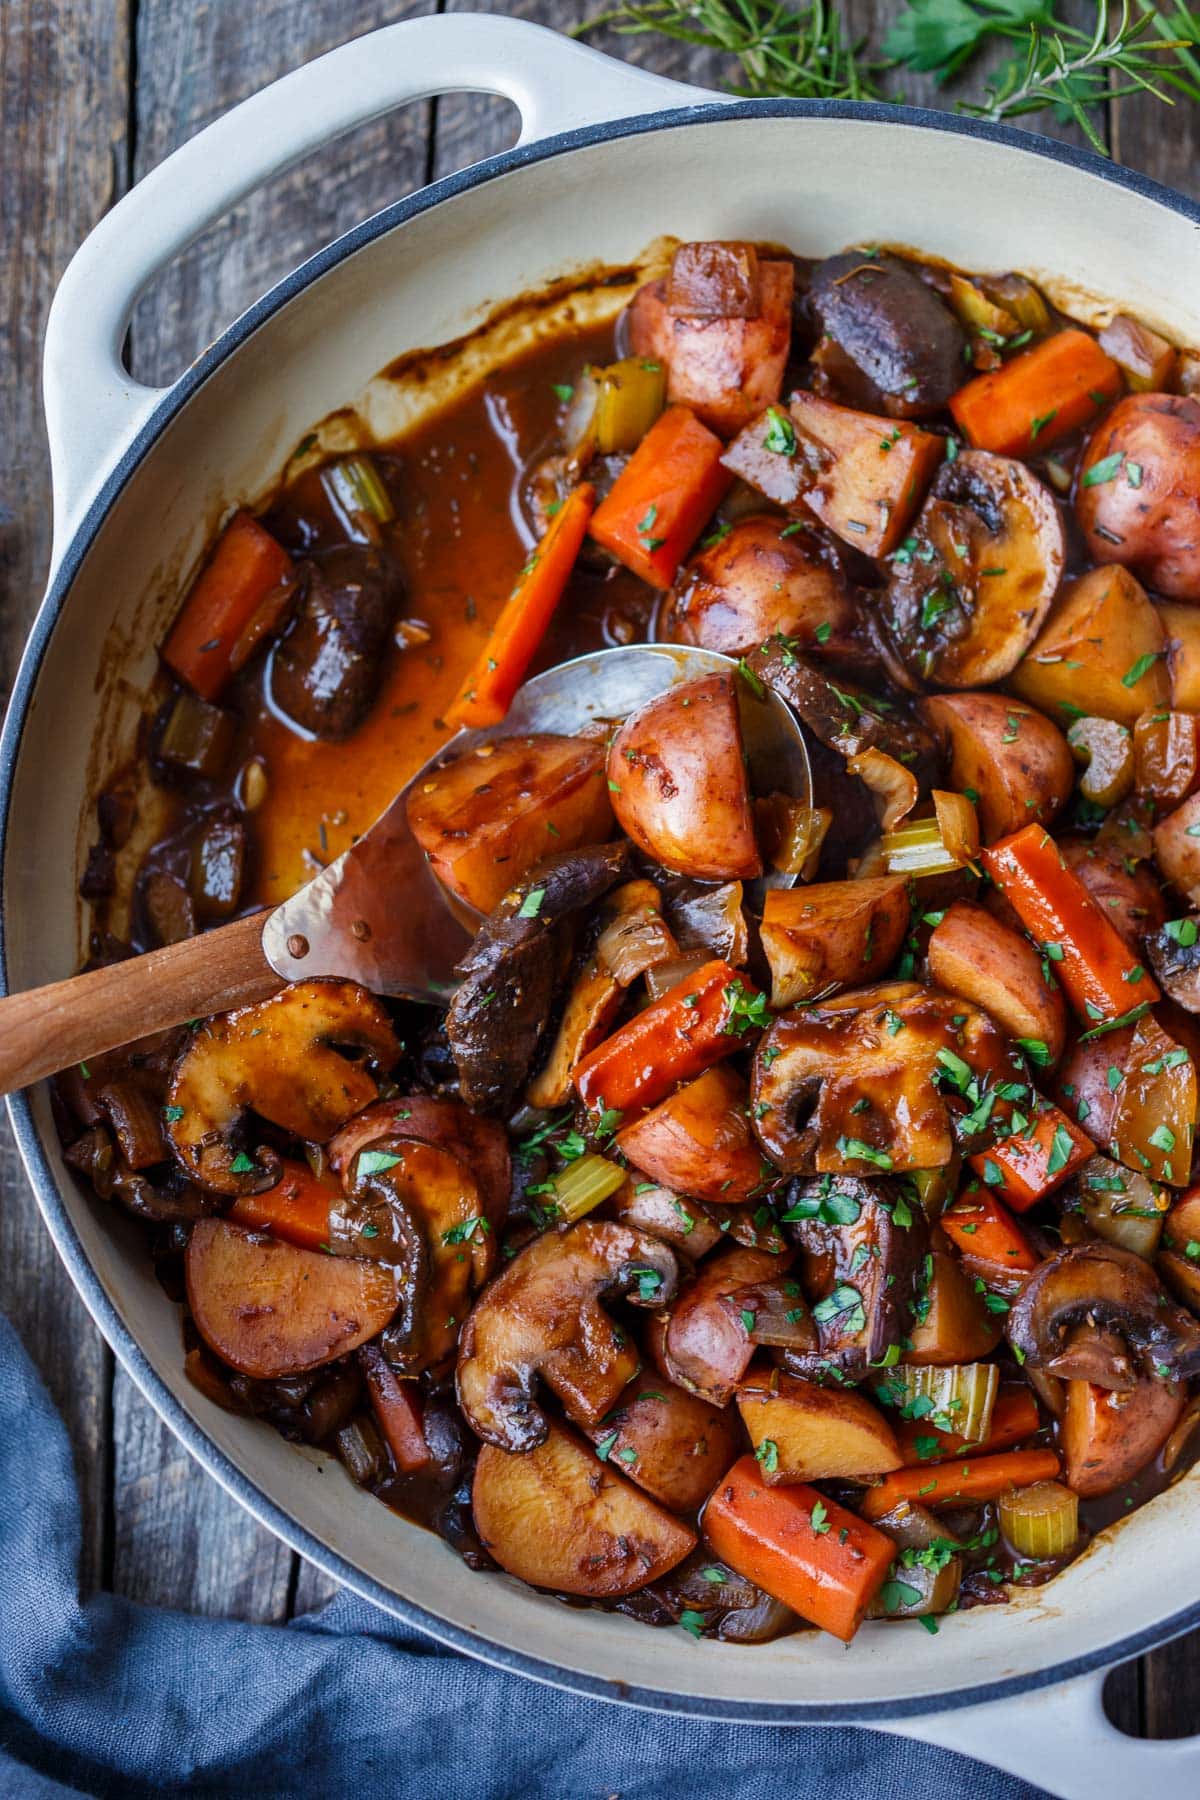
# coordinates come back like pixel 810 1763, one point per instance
pixel 112 1699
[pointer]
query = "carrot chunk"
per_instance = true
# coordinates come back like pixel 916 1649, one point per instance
pixel 949 1483
pixel 1014 1416
pixel 397 1408
pixel 236 580
pixel 663 497
pixel 296 1208
pixel 980 1227
pixel 1030 1164
pixel 1102 977
pixel 1038 397
pixel 499 670
pixel 827 1564
pixel 674 1039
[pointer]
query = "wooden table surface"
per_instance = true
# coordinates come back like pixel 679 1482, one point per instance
pixel 93 93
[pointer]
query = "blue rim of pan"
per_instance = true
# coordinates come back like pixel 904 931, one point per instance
pixel 33 1154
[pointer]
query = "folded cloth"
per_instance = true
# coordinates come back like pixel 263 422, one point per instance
pixel 112 1699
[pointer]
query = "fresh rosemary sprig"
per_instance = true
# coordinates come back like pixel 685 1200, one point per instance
pixel 801 52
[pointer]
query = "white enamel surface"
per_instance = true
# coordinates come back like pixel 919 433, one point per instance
pixel 816 185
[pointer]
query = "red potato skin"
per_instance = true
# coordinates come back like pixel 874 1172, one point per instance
pixel 1156 524
pixel 682 1445
pixel 1006 768
pixel 725 370
pixel 1107 1437
pixel 1130 899
pixel 678 783
pixel 1083 1090
pixel 974 954
pixel 754 584
pixel 705 1348
pixel 699 1142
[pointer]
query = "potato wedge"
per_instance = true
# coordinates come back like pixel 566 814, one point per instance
pixel 270 1310
pixel 802 1432
pixel 1138 495
pixel 1106 1437
pixel 1179 1259
pixel 865 475
pixel 1127 891
pixel 1101 650
pixel 1015 759
pixel 1088 1081
pixel 557 1517
pixel 1181 622
pixel 678 784
pixel 726 370
pixel 698 1141
pixel 706 1347
pixel 1177 847
pixel 973 954
pixel 832 934
pixel 756 582
pixel 957 1328
pixel 484 819
pixel 672 1443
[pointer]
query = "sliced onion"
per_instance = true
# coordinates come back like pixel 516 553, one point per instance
pixel 959 823
pixel 891 783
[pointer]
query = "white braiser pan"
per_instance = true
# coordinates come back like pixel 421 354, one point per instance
pixel 609 158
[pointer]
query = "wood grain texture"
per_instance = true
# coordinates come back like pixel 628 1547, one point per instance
pixel 156 1527
pixel 63 118
pixel 49 1028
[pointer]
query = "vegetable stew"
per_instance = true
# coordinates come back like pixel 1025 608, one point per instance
pixel 744 1261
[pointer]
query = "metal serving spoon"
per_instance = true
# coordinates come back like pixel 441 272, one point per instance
pixel 377 915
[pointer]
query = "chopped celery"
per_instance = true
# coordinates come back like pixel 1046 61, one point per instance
pixel 632 394
pixel 583 1184
pixel 358 497
pixel 956 1398
pixel 916 848
pixel 1040 1521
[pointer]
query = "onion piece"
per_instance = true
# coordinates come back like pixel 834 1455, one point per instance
pixel 959 825
pixel 637 937
pixel 1040 1521
pixel 664 976
pixel 791 834
pixel 1122 1206
pixel 890 782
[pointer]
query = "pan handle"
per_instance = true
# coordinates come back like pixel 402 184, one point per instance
pixel 1060 1738
pixel 94 409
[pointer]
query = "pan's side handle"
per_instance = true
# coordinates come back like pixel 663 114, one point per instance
pixel 94 408
pixel 1060 1738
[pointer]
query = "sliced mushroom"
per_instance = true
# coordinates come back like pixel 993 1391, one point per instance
pixel 865 1246
pixel 496 1018
pixel 482 1144
pixel 1116 1297
pixel 893 326
pixel 1174 955
pixel 170 1199
pixel 874 1079
pixel 541 1316
pixel 284 1060
pixel 971 587
pixel 842 717
pixel 418 1207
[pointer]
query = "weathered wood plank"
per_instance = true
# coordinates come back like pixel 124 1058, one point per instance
pixel 193 64
pixel 311 1588
pixel 63 113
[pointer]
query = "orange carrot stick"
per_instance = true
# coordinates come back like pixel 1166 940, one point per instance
pixel 674 1039
pixel 499 670
pixel 949 1483
pixel 663 497
pixel 1038 397
pixel 238 577
pixel 397 1408
pixel 979 1227
pixel 1030 1164
pixel 296 1208
pixel 1014 1416
pixel 801 1548
pixel 1102 978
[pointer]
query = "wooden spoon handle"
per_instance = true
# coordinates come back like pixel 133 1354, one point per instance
pixel 52 1027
